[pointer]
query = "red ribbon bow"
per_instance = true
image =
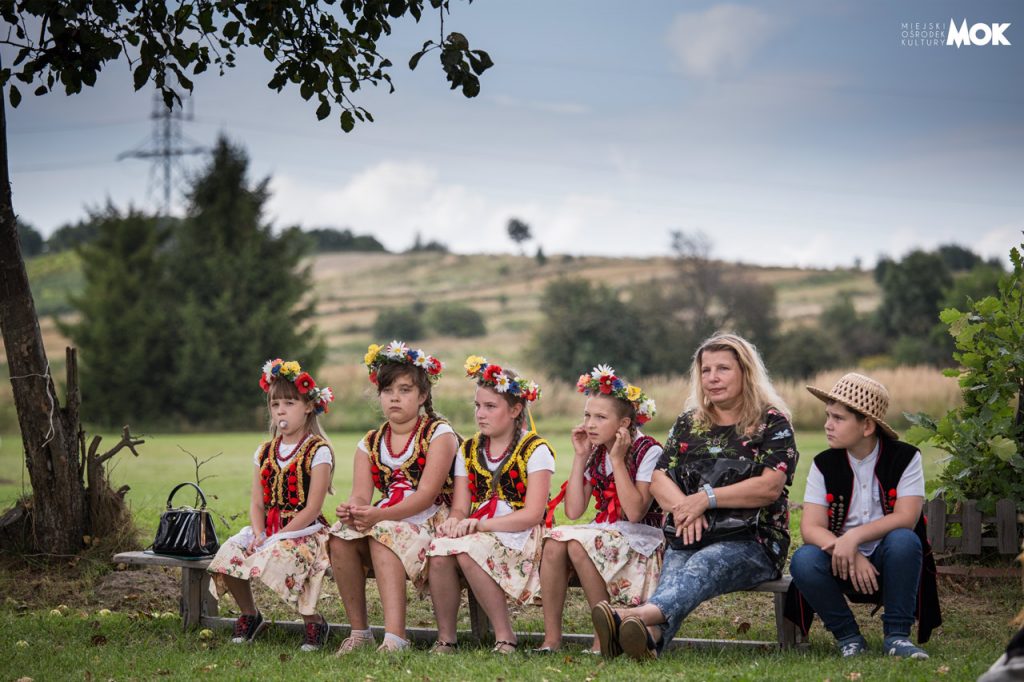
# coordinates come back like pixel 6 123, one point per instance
pixel 273 523
pixel 610 514
pixel 549 518
pixel 399 488
pixel 486 510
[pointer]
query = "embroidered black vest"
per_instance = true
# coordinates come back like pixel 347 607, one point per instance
pixel 286 488
pixel 413 467
pixel 510 482
pixel 893 458
pixel 603 480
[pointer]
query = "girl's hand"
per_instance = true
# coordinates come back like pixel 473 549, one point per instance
pixel 344 512
pixel 254 544
pixel 580 441
pixel 466 527
pixel 447 528
pixel 364 517
pixel 621 445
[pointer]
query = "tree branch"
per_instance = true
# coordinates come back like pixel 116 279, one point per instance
pixel 127 441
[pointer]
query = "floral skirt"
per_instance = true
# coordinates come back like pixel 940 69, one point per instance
pixel 294 568
pixel 409 541
pixel 630 576
pixel 517 572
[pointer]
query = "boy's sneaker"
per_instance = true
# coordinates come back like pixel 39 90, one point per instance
pixel 247 627
pixel 901 647
pixel 852 646
pixel 316 636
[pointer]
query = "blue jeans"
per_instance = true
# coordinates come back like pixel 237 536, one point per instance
pixel 898 560
pixel 690 577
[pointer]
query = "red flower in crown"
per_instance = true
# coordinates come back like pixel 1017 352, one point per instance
pixel 434 366
pixel 373 378
pixel 491 372
pixel 304 383
pixel 264 384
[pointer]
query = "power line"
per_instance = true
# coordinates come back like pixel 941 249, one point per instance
pixel 167 143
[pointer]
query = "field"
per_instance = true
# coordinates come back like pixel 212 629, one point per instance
pixel 350 288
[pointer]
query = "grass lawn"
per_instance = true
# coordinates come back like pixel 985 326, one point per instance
pixel 131 644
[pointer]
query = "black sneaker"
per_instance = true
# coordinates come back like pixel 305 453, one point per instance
pixel 316 635
pixel 247 627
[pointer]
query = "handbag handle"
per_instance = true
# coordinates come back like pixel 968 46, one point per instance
pixel 182 485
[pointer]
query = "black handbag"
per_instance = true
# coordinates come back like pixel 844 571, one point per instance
pixel 723 524
pixel 184 531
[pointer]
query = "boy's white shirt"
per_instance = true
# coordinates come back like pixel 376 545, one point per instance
pixel 864 505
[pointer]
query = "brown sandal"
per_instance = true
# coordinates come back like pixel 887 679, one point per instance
pixel 499 647
pixel 442 647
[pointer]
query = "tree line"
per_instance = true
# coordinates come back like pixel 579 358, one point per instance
pixel 654 327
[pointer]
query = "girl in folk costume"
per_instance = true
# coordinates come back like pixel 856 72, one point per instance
pixel 493 536
pixel 285 543
pixel 409 460
pixel 618 556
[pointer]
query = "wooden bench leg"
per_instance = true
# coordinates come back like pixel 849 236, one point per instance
pixel 211 607
pixel 784 630
pixel 479 623
pixel 192 601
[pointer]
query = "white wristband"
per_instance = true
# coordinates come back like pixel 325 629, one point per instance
pixel 710 492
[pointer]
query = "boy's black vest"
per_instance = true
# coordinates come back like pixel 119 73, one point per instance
pixel 893 458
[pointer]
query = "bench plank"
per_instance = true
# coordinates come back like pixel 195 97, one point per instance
pixel 198 607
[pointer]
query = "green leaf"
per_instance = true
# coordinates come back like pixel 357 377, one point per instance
pixel 918 435
pixel 15 96
pixel 231 29
pixel 950 315
pixel 1003 447
pixel 415 59
pixel 348 121
pixel 141 75
pixel 324 110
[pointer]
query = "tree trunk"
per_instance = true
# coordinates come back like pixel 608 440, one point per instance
pixel 49 434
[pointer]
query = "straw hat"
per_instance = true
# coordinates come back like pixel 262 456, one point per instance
pixel 861 394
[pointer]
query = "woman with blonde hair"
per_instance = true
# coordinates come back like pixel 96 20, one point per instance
pixel 723 479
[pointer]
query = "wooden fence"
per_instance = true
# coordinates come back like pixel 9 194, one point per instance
pixel 970 541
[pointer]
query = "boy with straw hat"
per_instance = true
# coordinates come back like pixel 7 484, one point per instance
pixel 862 526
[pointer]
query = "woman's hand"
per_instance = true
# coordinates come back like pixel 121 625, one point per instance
pixel 620 447
pixel 693 532
pixel 580 441
pixel 364 517
pixel 686 511
pixel 254 544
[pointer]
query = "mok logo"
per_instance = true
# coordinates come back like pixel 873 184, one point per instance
pixel 976 34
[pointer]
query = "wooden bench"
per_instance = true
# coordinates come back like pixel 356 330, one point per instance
pixel 198 607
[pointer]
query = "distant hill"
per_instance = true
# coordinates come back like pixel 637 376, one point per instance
pixel 352 287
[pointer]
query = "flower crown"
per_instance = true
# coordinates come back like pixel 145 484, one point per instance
pixel 602 381
pixel 398 353
pixel 493 375
pixel 320 396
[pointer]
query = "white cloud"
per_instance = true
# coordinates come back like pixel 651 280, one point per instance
pixel 395 200
pixel 720 39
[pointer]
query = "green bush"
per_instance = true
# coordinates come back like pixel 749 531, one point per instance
pixel 455 319
pixel 398 323
pixel 985 435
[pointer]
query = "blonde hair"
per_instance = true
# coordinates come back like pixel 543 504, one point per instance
pixel 757 395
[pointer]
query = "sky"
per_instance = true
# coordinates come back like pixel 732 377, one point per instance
pixel 813 133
